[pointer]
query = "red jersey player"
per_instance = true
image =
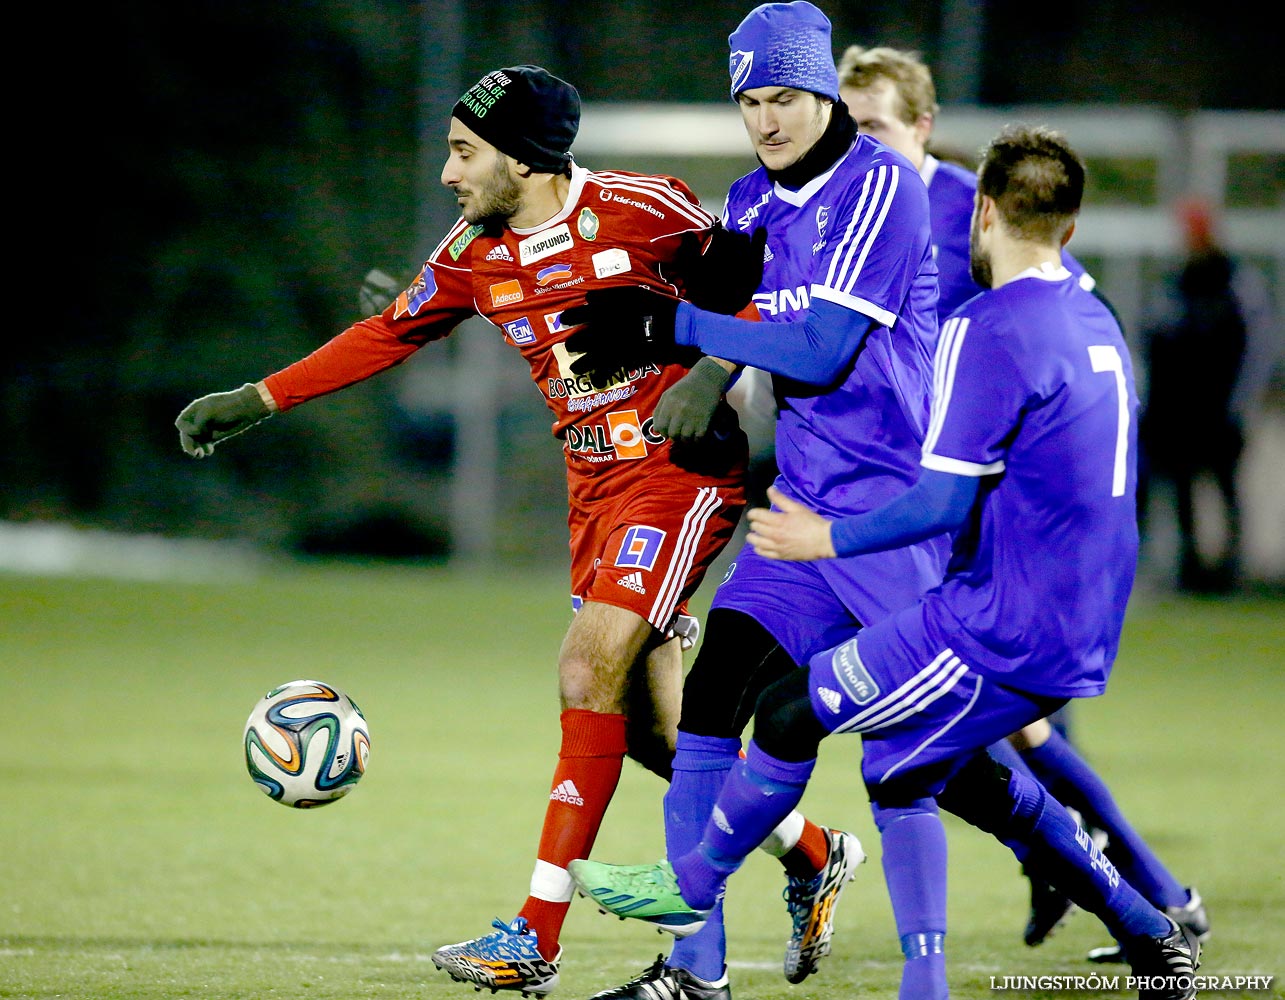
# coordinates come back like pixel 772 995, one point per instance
pixel 537 231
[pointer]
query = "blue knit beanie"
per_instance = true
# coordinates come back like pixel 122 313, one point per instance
pixel 784 45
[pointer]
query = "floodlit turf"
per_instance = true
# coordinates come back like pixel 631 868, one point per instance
pixel 138 860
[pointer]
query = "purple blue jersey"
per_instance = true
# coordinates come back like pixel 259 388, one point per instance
pixel 1034 394
pixel 951 191
pixel 848 273
pixel 852 243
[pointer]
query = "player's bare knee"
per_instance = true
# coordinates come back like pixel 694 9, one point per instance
pixel 595 686
pixel 596 658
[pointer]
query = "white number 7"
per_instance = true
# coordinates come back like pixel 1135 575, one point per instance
pixel 1105 358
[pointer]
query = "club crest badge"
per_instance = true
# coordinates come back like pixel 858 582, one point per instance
pixel 823 220
pixel 587 225
pixel 420 293
pixel 739 65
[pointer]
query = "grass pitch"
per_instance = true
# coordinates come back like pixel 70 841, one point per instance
pixel 138 859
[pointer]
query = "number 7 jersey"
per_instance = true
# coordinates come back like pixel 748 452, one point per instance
pixel 1033 392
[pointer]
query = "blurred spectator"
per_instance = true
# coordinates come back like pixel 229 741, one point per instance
pixel 1208 353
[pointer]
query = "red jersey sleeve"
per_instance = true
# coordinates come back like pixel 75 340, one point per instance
pixel 438 300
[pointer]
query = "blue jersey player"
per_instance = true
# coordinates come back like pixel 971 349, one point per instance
pixel 849 310
pixel 1028 462
pixel 890 94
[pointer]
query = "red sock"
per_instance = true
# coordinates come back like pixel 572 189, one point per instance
pixel 589 763
pixel 809 855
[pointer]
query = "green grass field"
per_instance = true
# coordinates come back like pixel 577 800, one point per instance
pixel 138 859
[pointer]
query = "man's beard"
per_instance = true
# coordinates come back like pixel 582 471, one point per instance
pixel 979 264
pixel 497 201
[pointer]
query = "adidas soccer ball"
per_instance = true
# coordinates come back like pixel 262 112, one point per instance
pixel 306 744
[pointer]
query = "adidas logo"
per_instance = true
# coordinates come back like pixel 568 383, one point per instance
pixel 567 792
pixel 500 253
pixel 720 821
pixel 831 699
pixel 634 582
pixel 767 253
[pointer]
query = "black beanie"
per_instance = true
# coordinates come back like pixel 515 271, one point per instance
pixel 525 112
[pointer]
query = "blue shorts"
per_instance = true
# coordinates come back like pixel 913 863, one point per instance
pixel 921 711
pixel 812 606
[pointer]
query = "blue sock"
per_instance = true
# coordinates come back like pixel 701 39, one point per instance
pixel 759 792
pixel 1061 769
pixel 701 764
pixel 913 844
pixel 1060 848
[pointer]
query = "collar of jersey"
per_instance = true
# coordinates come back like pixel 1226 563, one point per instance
pixel 929 168
pixel 578 175
pixel 800 197
pixel 1045 272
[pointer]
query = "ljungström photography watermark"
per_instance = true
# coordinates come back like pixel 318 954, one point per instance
pixel 1097 983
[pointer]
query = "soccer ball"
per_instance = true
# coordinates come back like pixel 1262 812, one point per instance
pixel 306 744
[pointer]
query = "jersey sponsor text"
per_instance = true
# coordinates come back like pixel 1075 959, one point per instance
pixel 544 244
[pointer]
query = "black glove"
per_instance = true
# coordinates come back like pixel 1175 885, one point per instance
pixel 206 421
pixel 378 291
pixel 726 275
pixel 686 407
pixel 623 327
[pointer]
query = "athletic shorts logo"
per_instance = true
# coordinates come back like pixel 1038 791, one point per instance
pixel 567 792
pixel 831 699
pixel 520 331
pixel 420 293
pixel 609 262
pixel 505 293
pixel 545 244
pixel 633 581
pixel 550 273
pixel 852 674
pixel 641 547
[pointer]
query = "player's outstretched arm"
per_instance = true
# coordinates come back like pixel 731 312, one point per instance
pixel 206 421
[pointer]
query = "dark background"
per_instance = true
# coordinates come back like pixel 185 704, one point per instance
pixel 213 180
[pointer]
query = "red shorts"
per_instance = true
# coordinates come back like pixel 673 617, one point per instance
pixel 647 550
